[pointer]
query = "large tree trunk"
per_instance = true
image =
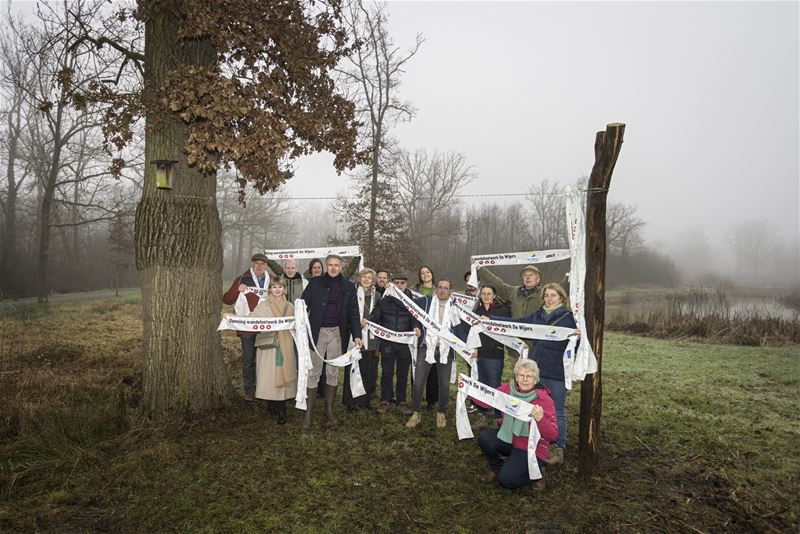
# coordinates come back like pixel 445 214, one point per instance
pixel 178 251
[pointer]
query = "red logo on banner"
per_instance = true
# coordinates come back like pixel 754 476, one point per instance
pixel 460 384
pixel 269 326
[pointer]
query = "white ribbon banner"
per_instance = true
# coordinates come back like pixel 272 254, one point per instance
pixel 528 331
pixel 464 300
pixel 256 324
pixel 320 252
pixel 448 337
pixel 477 328
pixel 406 338
pixel 584 361
pixel 514 258
pixel 301 334
pixel 262 292
pixel 504 402
pixel 354 354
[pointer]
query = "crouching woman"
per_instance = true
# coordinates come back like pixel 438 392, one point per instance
pixel 506 447
pixel 276 365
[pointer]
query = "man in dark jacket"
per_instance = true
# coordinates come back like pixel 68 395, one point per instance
pixel 392 314
pixel 333 315
pixel 255 277
pixel 381 280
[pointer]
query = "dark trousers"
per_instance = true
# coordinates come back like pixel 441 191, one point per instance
pixel 248 362
pixel 368 366
pixel 399 355
pixel 508 463
pixel 432 386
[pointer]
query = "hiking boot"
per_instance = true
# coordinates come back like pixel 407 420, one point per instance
pixel 403 409
pixel 281 416
pixel 556 455
pixel 441 421
pixel 489 477
pixel 538 485
pixel 414 420
pixel 249 397
pixel 384 407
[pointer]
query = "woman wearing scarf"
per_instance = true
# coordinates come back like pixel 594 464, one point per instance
pixel 506 448
pixel 491 354
pixel 368 364
pixel 276 367
pixel 549 356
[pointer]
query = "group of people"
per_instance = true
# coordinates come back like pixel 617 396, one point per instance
pixel 338 311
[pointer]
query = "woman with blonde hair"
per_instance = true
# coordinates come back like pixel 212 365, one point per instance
pixel 276 365
pixel 367 298
pixel 549 355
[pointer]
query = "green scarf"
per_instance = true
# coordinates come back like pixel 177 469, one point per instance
pixel 511 425
pixel 548 310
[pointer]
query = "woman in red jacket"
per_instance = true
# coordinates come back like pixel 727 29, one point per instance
pixel 506 447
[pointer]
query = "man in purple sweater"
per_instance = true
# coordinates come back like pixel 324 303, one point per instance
pixel 333 316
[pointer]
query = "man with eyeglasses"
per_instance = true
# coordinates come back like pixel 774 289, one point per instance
pixel 392 314
pixel 444 313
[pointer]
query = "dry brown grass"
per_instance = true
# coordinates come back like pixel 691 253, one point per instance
pixel 709 315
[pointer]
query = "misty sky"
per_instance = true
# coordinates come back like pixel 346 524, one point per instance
pixel 709 93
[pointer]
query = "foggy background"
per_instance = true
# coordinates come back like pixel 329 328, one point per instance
pixel 707 186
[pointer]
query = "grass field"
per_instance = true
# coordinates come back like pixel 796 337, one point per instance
pixel 694 437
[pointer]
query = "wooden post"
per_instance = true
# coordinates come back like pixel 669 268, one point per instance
pixel 606 150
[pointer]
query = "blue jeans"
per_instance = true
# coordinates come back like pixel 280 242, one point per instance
pixel 490 372
pixel 248 362
pixel 558 392
pixel 512 472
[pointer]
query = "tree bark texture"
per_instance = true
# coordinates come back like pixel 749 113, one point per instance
pixel 49 185
pixel 606 150
pixel 8 235
pixel 178 251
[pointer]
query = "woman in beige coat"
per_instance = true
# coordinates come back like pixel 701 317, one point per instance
pixel 276 364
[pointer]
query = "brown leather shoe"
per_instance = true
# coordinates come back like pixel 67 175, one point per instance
pixel 489 477
pixel 403 409
pixel 556 455
pixel 249 397
pixel 538 485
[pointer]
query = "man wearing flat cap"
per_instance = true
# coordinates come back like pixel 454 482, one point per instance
pixel 255 277
pixel 524 299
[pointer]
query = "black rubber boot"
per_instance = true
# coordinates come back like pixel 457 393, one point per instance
pixel 311 398
pixel 281 416
pixel 330 396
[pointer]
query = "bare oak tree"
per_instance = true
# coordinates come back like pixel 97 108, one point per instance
pixel 372 76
